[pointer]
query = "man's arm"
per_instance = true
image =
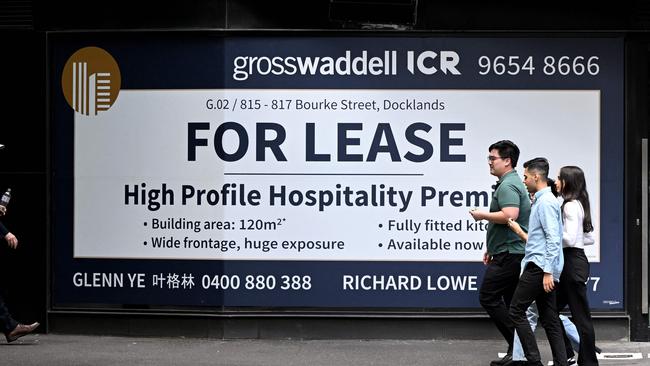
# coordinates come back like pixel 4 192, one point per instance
pixel 508 197
pixel 549 218
pixel 498 217
pixel 3 230
pixel 11 239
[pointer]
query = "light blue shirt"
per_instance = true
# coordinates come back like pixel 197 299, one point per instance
pixel 544 246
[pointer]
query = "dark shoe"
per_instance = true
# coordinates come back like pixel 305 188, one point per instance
pixel 572 361
pixel 505 361
pixel 20 330
pixel 598 350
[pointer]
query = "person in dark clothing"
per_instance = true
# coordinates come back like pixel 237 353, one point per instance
pixel 11 328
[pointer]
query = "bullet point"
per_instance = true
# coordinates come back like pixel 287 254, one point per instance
pixel 145 243
pixel 145 224
pixel 381 245
pixel 380 225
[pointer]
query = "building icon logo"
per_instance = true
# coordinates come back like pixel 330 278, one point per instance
pixel 91 81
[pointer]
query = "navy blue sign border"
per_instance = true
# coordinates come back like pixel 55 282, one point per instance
pixel 201 61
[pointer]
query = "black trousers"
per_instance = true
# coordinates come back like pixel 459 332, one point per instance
pixel 7 323
pixel 499 283
pixel 573 292
pixel 529 289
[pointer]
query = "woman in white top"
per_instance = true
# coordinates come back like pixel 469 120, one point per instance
pixel 572 289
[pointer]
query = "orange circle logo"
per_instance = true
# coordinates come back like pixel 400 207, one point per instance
pixel 91 81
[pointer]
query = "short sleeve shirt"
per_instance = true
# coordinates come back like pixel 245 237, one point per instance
pixel 510 192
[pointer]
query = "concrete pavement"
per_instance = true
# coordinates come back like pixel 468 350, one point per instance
pixel 58 349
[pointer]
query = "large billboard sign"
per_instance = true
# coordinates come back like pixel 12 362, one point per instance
pixel 314 172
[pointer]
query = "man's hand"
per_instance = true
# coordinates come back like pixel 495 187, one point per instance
pixel 12 241
pixel 487 258
pixel 477 215
pixel 3 210
pixel 549 285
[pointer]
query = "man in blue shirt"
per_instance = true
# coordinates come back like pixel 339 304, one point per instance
pixel 541 267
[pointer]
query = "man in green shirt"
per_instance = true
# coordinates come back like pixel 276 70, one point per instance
pixel 505 249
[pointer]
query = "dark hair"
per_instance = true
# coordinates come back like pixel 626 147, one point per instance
pixel 574 187
pixel 551 183
pixel 507 150
pixel 540 165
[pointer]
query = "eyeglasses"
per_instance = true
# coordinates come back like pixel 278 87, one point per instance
pixel 493 158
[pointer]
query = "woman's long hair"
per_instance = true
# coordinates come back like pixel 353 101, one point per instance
pixel 551 183
pixel 574 187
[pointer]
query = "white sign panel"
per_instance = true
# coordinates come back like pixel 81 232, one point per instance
pixel 330 175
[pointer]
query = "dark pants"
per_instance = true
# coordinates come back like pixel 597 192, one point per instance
pixel 529 289
pixel 499 283
pixel 573 292
pixel 7 323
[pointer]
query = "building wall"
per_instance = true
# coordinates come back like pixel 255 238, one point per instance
pixel 25 162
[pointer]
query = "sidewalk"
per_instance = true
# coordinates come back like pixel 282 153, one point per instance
pixel 56 349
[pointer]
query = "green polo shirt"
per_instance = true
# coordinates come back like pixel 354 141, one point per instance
pixel 510 192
